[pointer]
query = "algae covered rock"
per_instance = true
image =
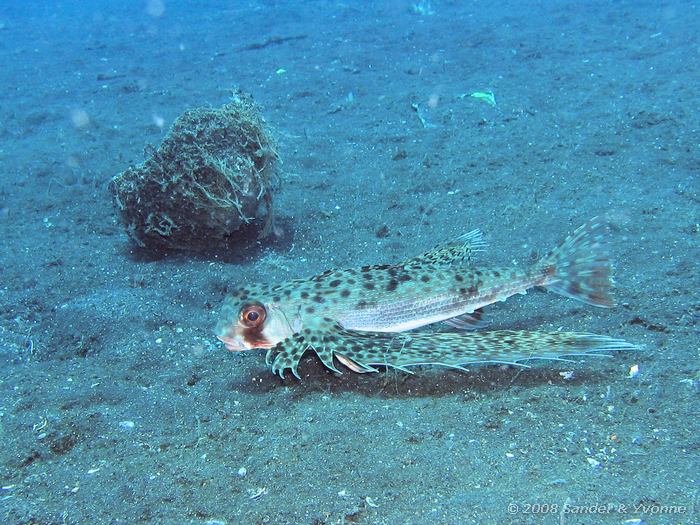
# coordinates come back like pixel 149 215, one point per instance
pixel 210 178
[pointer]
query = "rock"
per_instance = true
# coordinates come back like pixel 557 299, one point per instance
pixel 209 181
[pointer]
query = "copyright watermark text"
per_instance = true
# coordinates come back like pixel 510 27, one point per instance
pixel 595 508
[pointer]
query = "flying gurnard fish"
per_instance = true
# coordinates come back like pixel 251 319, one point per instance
pixel 366 317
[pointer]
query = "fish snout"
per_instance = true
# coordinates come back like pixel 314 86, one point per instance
pixel 232 344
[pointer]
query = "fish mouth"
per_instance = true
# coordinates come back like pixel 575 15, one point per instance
pixel 232 344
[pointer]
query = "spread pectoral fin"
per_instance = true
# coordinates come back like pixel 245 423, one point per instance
pixel 363 351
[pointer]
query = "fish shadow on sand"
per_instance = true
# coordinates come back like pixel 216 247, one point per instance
pixel 428 381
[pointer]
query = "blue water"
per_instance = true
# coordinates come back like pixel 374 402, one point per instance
pixel 119 405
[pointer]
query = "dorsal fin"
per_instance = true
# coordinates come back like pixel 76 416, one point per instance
pixel 461 250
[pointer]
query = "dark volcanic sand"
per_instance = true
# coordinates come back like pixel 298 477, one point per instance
pixel 117 404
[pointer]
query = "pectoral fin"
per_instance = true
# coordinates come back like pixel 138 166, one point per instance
pixel 363 351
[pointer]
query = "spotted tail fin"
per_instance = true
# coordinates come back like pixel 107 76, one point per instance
pixel 579 267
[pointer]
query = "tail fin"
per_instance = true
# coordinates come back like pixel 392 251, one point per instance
pixel 579 268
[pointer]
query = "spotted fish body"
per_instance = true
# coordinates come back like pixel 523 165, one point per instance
pixel 354 315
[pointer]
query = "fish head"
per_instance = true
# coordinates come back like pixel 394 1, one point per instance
pixel 249 321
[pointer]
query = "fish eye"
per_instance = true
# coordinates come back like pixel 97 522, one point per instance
pixel 253 315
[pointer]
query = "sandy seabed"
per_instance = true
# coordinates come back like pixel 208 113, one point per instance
pixel 118 405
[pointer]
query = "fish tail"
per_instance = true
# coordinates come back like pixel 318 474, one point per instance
pixel 455 350
pixel 579 267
